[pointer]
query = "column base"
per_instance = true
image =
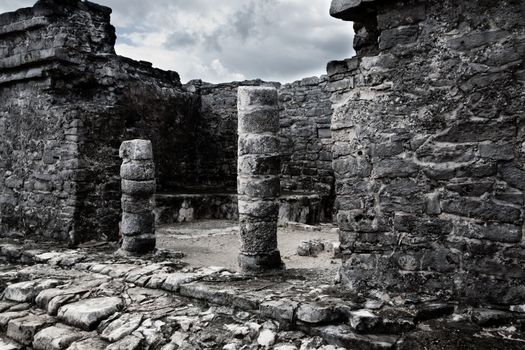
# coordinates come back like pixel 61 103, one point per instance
pixel 261 263
pixel 138 245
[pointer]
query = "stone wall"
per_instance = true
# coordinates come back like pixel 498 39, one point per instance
pixel 305 137
pixel 216 135
pixel 306 141
pixel 68 103
pixel 428 127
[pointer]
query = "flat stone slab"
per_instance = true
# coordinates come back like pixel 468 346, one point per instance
pixel 24 329
pixel 8 316
pixel 87 314
pixel 121 327
pixel 89 344
pixel 27 291
pixel 57 337
pixel 6 344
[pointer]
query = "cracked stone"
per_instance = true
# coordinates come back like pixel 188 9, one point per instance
pixel 279 309
pixel 130 342
pixel 121 327
pixel 89 344
pixel 315 313
pixel 87 314
pixel 175 280
pixel 56 338
pixel 26 291
pixel 24 329
pixel 8 316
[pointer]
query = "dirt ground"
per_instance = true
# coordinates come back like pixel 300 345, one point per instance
pixel 216 242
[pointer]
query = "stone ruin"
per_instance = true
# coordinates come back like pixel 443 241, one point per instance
pixel 415 146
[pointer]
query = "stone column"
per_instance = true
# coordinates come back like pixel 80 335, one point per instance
pixel 258 178
pixel 138 187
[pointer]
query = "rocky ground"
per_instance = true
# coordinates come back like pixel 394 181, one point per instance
pixel 89 298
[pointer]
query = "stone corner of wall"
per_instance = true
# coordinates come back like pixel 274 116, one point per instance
pixel 351 10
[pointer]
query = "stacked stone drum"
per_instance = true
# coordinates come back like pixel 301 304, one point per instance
pixel 258 178
pixel 138 188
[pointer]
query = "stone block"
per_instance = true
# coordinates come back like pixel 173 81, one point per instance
pixel 315 313
pixel 120 327
pixel 259 164
pixel 258 237
pixel 136 224
pixel 398 36
pixel 138 188
pixel 139 244
pixel 282 309
pixel 505 233
pixel 258 144
pixel 481 209
pixel 27 291
pixel 24 329
pixel 395 167
pixel 136 205
pixel 136 150
pixel 57 337
pixel 260 262
pixel 261 187
pixel 259 121
pixel 256 96
pixel 137 170
pixel 262 210
pixel 87 314
pixel 404 15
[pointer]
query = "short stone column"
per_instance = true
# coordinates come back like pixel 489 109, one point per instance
pixel 138 187
pixel 258 178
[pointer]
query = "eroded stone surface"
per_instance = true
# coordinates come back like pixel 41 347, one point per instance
pixel 57 337
pixel 87 314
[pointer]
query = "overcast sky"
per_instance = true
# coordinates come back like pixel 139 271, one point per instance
pixel 225 40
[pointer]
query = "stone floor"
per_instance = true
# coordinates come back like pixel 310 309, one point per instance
pixel 216 242
pixel 89 298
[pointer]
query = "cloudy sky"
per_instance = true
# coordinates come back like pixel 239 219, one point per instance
pixel 225 40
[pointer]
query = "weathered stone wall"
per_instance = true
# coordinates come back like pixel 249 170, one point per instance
pixel 305 137
pixel 428 156
pixel 68 103
pixel 306 141
pixel 215 137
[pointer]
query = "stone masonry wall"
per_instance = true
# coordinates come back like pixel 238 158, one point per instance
pixel 306 141
pixel 305 137
pixel 428 127
pixel 68 104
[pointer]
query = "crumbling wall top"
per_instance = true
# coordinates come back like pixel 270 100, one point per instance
pixel 351 10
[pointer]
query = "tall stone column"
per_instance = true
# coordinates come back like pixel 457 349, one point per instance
pixel 258 178
pixel 138 187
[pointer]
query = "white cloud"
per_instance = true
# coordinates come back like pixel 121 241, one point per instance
pixel 227 40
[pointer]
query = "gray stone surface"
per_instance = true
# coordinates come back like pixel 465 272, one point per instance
pixel 24 329
pixel 87 314
pixel 258 180
pixel 138 187
pixel 27 291
pixel 57 337
pixel 121 327
pixel 425 182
